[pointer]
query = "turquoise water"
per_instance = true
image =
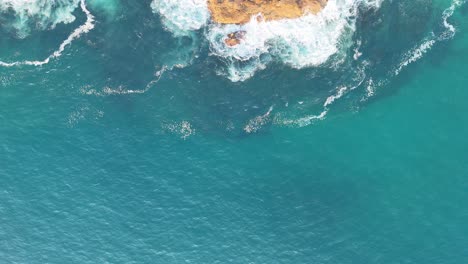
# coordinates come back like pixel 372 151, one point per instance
pixel 110 154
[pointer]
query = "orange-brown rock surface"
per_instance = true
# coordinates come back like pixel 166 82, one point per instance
pixel 234 38
pixel 240 11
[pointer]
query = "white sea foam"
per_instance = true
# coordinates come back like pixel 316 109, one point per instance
pixel 182 16
pixel 42 14
pixel 258 122
pixel 418 52
pixel 307 120
pixel 83 29
pixel 357 52
pixel 302 42
pixel 448 13
pixel 411 56
pixel 358 80
pixel 122 90
pixel 415 54
pixel 184 129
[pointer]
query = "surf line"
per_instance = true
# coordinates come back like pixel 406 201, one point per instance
pixel 83 29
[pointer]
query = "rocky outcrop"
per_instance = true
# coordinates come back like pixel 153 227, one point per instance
pixel 241 11
pixel 235 38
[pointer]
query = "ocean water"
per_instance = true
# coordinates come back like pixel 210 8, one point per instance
pixel 130 134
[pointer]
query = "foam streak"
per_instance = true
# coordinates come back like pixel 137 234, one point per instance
pixel 83 29
pixel 418 52
pixel 330 100
pixel 121 89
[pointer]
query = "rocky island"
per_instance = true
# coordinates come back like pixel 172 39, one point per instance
pixel 241 11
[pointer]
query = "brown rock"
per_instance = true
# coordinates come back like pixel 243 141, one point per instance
pixel 234 38
pixel 240 11
pixel 232 42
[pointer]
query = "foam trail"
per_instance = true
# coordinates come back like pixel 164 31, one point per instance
pixel 415 54
pixel 121 89
pixel 256 123
pixel 418 52
pixel 83 29
pixel 410 57
pixel 448 13
pixel 305 121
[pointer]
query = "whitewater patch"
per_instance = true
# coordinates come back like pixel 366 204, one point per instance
pixel 83 29
pixel 181 17
pixel 40 14
pixel 308 41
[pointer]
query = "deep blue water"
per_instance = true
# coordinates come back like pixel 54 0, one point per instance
pixel 110 154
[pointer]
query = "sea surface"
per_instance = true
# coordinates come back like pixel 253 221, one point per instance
pixel 130 134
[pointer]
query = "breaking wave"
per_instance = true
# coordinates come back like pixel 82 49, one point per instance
pixel 303 42
pixel 181 17
pixel 83 29
pixel 299 43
